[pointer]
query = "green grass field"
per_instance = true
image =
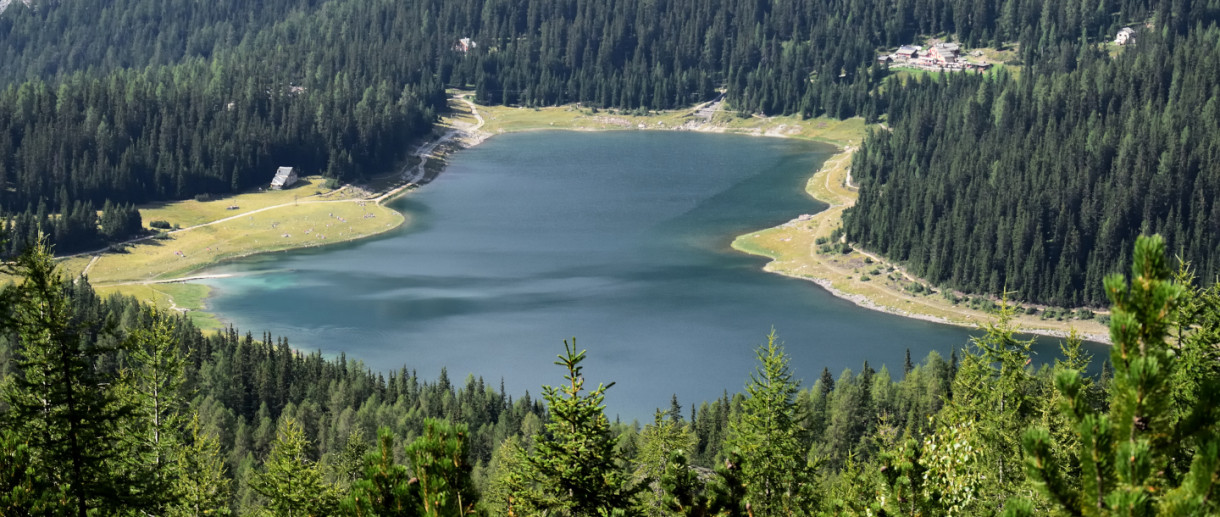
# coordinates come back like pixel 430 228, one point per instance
pixel 189 299
pixel 292 226
pixel 190 212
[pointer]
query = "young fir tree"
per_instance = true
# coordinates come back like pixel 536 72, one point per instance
pixel 509 476
pixel 777 477
pixel 658 442
pixel 686 494
pixel 57 398
pixel 1127 454
pixel 291 481
pixel 971 455
pixel 202 488
pixel 439 461
pixel 575 467
pixel 153 377
pixel 682 491
pixel 386 488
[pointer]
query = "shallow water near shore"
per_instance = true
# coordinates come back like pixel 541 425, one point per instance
pixel 620 239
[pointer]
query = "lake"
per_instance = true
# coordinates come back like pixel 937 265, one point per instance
pixel 619 239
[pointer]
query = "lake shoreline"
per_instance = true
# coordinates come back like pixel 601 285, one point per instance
pixel 575 118
pixel 795 250
pixel 844 149
pixel 465 134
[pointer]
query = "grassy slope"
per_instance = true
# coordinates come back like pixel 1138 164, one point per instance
pixel 178 296
pixel 293 226
pixel 266 221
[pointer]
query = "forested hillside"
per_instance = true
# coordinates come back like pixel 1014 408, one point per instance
pixel 141 100
pixel 108 407
pixel 1040 185
pixel 327 89
pixel 1037 183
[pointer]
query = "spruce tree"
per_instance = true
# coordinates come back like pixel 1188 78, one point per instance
pixel 575 467
pixel 659 441
pixel 683 492
pixel 153 377
pixel 778 479
pixel 292 481
pixel 439 462
pixel 57 398
pixel 202 488
pixel 386 488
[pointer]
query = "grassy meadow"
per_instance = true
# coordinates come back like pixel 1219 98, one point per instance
pixel 502 119
pixel 189 299
pixel 296 225
pixel 210 232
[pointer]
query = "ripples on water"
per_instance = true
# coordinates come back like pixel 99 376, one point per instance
pixel 619 239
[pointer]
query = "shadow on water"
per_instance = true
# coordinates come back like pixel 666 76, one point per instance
pixel 620 239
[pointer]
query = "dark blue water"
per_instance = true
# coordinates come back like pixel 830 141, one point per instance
pixel 619 239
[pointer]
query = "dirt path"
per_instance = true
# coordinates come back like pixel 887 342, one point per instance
pixel 89 266
pixel 415 174
pixel 179 280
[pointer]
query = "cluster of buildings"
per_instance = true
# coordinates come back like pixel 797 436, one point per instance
pixel 948 56
pixel 465 45
pixel 940 56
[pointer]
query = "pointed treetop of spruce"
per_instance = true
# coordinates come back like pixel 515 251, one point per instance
pixel 571 359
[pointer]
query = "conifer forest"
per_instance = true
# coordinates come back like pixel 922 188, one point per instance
pixel 1078 174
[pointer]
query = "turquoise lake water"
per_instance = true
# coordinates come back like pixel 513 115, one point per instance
pixel 618 239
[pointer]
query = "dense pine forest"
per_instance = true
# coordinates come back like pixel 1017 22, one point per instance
pixel 1037 179
pixel 110 408
pixel 136 100
pixel 1097 149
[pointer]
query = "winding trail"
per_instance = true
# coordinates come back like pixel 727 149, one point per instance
pixel 414 175
pixel 89 266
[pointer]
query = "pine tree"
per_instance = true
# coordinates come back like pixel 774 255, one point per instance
pixel 1126 453
pixel 574 469
pixel 291 481
pixel 439 461
pixel 386 488
pixel 57 398
pixel 658 442
pixel 153 377
pixel 202 488
pixel 683 492
pixel 827 383
pixel 970 455
pixel 510 476
pixel 778 479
